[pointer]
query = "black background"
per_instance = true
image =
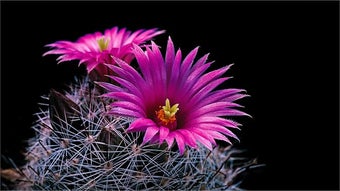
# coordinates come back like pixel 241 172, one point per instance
pixel 286 56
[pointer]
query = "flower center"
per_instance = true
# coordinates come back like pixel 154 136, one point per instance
pixel 103 43
pixel 167 115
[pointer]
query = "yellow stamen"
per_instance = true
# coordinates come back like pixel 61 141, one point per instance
pixel 167 114
pixel 103 43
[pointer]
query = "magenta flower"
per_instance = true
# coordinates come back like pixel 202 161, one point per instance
pixel 173 99
pixel 95 50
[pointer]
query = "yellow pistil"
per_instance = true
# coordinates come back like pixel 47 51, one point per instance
pixel 103 43
pixel 167 114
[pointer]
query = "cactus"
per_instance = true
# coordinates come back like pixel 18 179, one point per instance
pixel 85 141
pixel 79 147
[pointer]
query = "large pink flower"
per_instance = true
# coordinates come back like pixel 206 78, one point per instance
pixel 174 99
pixel 95 50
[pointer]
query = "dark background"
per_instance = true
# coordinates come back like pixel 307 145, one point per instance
pixel 286 56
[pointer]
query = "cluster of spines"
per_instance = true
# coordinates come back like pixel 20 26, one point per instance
pixel 78 146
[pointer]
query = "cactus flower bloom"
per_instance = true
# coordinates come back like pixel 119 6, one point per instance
pixel 95 50
pixel 171 99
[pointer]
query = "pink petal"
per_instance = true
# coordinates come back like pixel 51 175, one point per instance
pixel 169 57
pixel 125 112
pixel 187 62
pixel 221 95
pixel 163 133
pixel 236 97
pixel 140 124
pixel 203 134
pixel 143 62
pixel 189 137
pixel 150 132
pixel 219 136
pixel 203 141
pixel 170 139
pixel 128 85
pixel 218 128
pixel 129 106
pixel 172 84
pixel 129 72
pixel 124 96
pixel 109 86
pixel 234 112
pixel 200 62
pixel 210 109
pixel 209 77
pixel 213 120
pixel 180 141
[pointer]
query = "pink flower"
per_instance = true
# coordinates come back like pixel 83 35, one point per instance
pixel 174 99
pixel 96 50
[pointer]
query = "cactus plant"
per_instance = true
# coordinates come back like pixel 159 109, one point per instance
pixel 114 134
pixel 79 147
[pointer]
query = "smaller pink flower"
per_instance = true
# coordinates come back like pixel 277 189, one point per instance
pixel 97 49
